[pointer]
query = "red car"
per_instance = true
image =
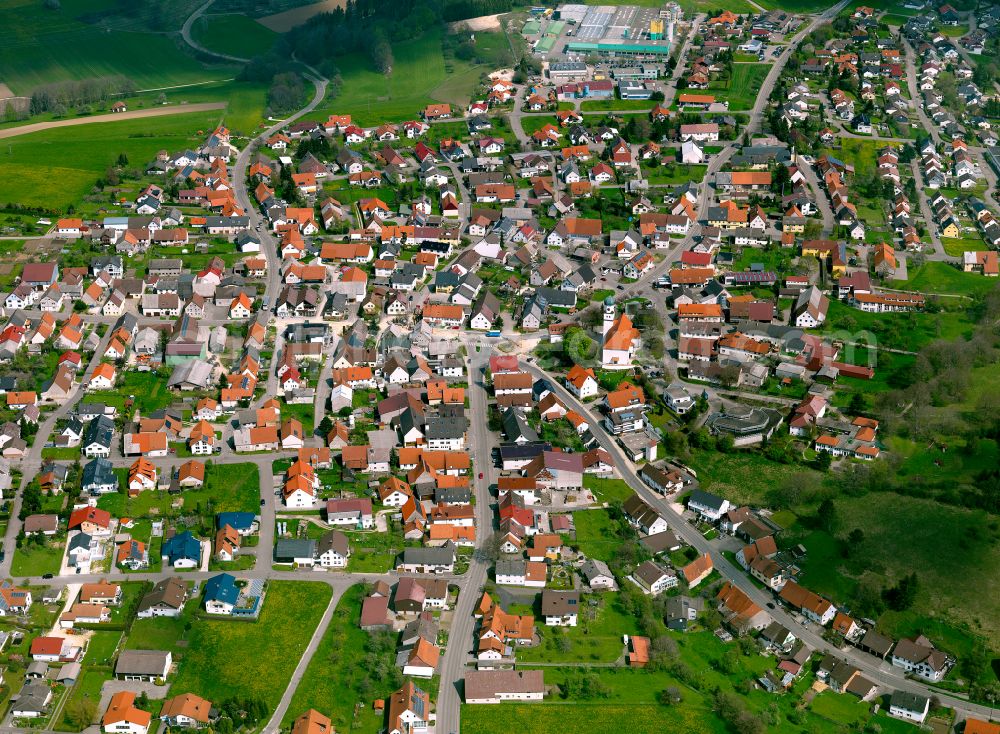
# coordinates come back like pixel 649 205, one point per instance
pixel 480 475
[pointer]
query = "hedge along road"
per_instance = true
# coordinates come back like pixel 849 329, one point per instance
pixel 177 109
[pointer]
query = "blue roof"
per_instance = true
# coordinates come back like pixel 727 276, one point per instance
pixel 235 520
pixel 222 588
pixel 182 547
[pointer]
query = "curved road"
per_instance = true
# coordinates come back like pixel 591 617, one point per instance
pixel 186 35
pixel 879 671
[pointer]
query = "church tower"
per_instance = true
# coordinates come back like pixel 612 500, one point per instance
pixel 609 314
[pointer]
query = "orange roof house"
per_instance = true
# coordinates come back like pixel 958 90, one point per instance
pixel 122 713
pixel 698 570
pixel 312 722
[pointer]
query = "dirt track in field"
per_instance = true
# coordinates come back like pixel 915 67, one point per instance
pixel 177 109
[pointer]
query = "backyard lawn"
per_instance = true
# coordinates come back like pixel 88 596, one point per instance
pixel 373 552
pixel 596 534
pixel 33 560
pixel 228 488
pixel 217 663
pixel 607 490
pixel 340 673
pixel 88 687
pixel 101 647
pixel 597 638
pixel 160 633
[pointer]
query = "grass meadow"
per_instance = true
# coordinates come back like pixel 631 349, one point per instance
pixel 419 77
pixel 233 658
pixel 56 168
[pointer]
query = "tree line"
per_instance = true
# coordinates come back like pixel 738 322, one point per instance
pixel 60 97
pixel 372 27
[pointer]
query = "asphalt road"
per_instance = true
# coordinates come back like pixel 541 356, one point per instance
pixel 878 671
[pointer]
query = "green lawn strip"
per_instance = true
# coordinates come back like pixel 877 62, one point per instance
pixel 88 688
pixel 349 666
pixel 610 105
pixel 263 653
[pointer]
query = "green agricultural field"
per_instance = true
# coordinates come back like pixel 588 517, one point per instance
pixel 245 101
pixel 56 168
pixel 277 640
pixel 234 35
pixel 419 77
pixel 743 85
pixel 41 46
pixel 339 674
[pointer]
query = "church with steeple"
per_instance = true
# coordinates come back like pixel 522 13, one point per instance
pixel 620 338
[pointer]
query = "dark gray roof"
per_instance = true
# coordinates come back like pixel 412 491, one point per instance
pixel 141 662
